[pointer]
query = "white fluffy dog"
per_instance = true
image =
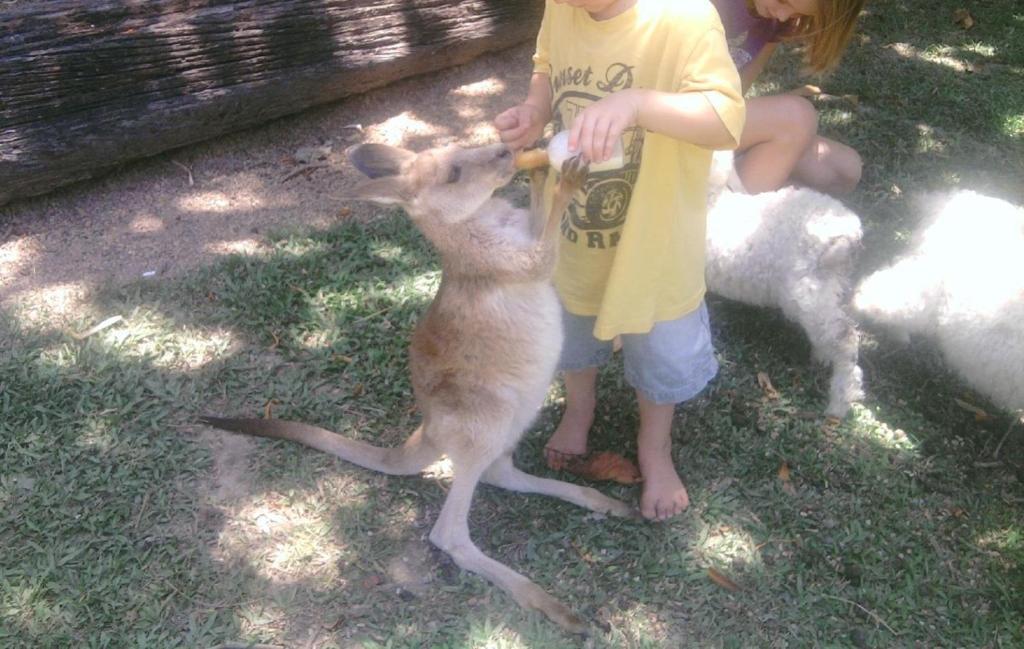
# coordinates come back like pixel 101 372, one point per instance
pixel 791 249
pixel 961 283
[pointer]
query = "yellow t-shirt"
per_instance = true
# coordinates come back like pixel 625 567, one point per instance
pixel 632 245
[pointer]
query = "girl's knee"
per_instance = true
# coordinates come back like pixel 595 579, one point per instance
pixel 800 117
pixel 847 167
pixel 852 172
pixel 779 118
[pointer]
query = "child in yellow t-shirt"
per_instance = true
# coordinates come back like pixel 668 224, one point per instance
pixel 656 76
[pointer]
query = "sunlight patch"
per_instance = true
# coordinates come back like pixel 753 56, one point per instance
pixel 485 88
pixel 427 283
pixel 1013 125
pixel 865 424
pixel 1010 539
pixel 469 112
pixel 488 637
pixel 33 608
pixel 284 540
pixel 146 224
pixel 96 434
pixel 14 256
pixel 928 141
pixel 940 56
pixel 481 133
pixel 979 48
pixel 237 247
pixel 639 626
pixel 838 117
pixel 726 544
pixel 220 202
pixel 387 251
pixel 60 299
pixel 398 130
pixel 163 344
pixel 440 470
pixel 188 349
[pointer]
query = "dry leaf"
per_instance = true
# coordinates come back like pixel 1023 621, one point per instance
pixel 963 18
pixel 806 91
pixel 109 322
pixel 268 409
pixel 722 580
pixel 787 483
pixel 979 414
pixel 784 472
pixel 606 466
pixel 766 385
pixel 583 553
pixel 372 582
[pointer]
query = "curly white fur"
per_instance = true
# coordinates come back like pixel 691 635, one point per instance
pixel 791 249
pixel 961 283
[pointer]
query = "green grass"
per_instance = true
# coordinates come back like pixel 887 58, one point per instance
pixel 125 524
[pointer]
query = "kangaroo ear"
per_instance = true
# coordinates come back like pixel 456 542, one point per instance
pixel 379 160
pixel 381 190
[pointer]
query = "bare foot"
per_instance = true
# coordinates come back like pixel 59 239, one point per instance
pixel 568 443
pixel 663 495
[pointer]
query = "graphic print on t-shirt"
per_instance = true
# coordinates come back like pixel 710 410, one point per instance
pixel 596 215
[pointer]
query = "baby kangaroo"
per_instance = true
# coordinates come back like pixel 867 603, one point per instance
pixel 484 353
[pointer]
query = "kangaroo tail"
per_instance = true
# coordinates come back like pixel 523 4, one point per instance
pixel 411 457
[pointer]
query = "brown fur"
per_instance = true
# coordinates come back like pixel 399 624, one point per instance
pixel 483 355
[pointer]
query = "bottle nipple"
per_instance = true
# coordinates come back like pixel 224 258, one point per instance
pixel 558 152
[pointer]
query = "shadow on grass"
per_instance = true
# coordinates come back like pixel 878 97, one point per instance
pixel 128 521
pixel 125 524
pixel 928 105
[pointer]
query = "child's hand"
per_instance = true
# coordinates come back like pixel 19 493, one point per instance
pixel 519 126
pixel 596 129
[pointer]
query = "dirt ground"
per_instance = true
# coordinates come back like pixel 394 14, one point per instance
pixel 163 216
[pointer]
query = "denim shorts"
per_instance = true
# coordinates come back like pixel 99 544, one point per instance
pixel 671 363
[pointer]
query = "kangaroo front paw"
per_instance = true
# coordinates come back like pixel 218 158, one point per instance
pixel 537 176
pixel 574 172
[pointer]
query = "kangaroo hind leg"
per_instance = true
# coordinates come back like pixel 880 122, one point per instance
pixel 451 534
pixel 504 474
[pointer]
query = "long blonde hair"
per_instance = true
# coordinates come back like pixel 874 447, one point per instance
pixel 826 35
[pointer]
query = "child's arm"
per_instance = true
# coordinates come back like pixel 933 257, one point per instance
pixel 522 125
pixel 705 107
pixel 687 116
pixel 752 70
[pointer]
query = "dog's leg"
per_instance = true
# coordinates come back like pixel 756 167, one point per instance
pixel 504 474
pixel 846 386
pixel 451 534
pixel 834 340
pixel 411 457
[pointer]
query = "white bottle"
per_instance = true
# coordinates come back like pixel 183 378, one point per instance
pixel 558 152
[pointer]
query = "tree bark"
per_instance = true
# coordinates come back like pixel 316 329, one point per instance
pixel 86 86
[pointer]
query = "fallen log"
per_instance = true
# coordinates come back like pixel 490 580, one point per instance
pixel 87 86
